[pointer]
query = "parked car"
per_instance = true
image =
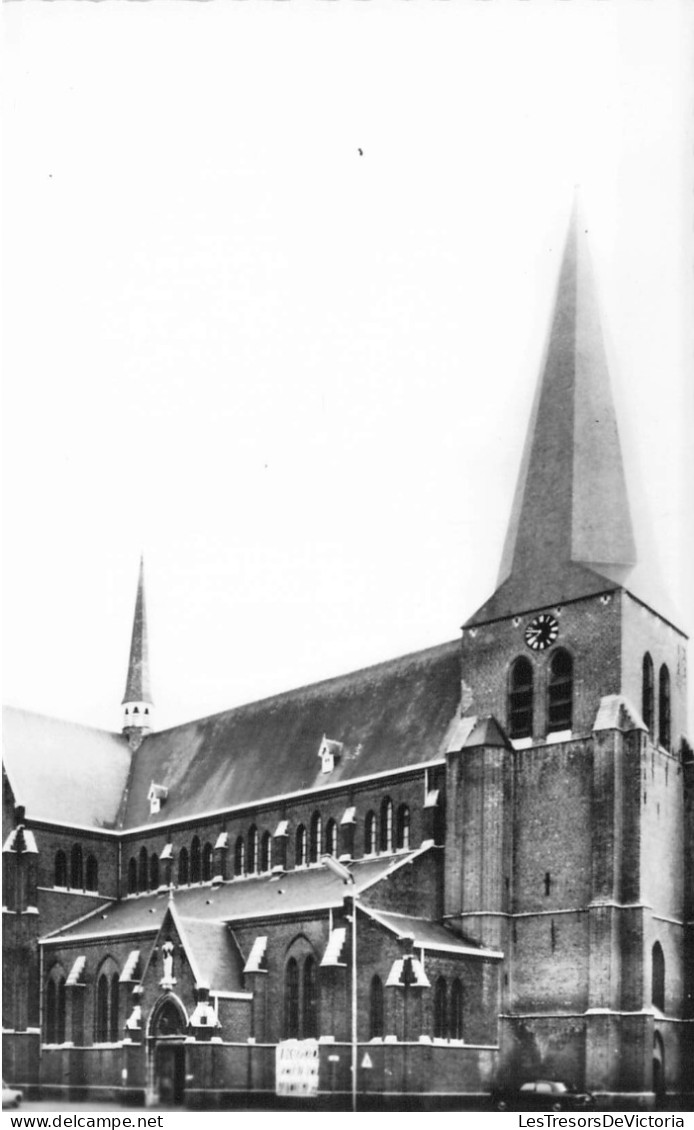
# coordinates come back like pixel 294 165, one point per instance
pixel 10 1097
pixel 542 1094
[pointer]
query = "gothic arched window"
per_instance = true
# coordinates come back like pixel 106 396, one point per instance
pixel 301 847
pixel 291 999
pixel 239 856
pixel 520 699
pixel 252 854
pixel 76 880
pixel 142 870
pixel 370 833
pixel 91 881
pixel 51 992
pixel 153 872
pixel 54 1023
pixel 331 838
pixel 114 1028
pixel 386 824
pixel 309 1027
pixel 647 692
pixel 658 977
pixel 440 1009
pixel 455 1016
pixel 207 862
pixel 315 838
pixel 376 1021
pixel 266 852
pixel 560 696
pixel 664 707
pixel 183 867
pixel 132 876
pixel 402 828
pixel 101 1027
pixel 106 1015
pixel 195 860
pixel 60 879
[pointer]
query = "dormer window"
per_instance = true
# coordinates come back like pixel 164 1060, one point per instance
pixel 156 796
pixel 330 752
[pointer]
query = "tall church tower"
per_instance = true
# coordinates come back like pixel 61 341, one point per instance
pixel 573 855
pixel 137 700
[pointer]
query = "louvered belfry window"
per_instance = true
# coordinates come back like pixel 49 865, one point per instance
pixel 520 704
pixel 560 697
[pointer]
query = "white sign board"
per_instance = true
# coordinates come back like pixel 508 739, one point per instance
pixel 297 1063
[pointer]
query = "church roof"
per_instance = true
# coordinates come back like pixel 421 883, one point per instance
pixel 429 935
pixel 263 896
pixel 386 717
pixel 570 533
pixel 217 960
pixel 61 771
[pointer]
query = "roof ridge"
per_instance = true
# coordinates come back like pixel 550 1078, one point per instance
pixel 306 687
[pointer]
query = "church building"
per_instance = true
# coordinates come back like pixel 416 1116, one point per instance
pixel 465 867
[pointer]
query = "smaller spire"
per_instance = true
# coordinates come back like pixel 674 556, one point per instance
pixel 137 700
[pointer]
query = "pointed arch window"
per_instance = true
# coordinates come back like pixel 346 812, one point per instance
pixel 520 699
pixel 664 735
pixel 310 999
pixel 60 872
pixel 195 860
pixel 560 692
pixel 239 856
pixel 132 876
pixel 252 855
pixel 183 867
pixel 266 852
pixel 301 847
pixel 658 977
pixel 101 1032
pixel 91 882
pixel 315 837
pixel 50 1012
pixel 114 1028
pixel 207 863
pixel 370 830
pixel 331 838
pixel 402 828
pixel 142 870
pixel 54 1024
pixel 376 1018
pixel 647 692
pixel 153 872
pixel 106 1012
pixel 291 999
pixel 76 876
pixel 455 1018
pixel 441 1009
pixel 386 843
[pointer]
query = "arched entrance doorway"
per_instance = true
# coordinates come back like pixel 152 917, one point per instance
pixel 168 1053
pixel 658 1069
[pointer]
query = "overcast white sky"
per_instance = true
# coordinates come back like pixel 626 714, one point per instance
pixel 295 376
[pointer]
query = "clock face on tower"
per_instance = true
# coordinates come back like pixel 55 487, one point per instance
pixel 541 632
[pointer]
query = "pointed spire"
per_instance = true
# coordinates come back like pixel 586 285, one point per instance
pixel 137 700
pixel 570 532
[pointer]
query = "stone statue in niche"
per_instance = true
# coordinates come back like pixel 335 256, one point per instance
pixel 167 951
